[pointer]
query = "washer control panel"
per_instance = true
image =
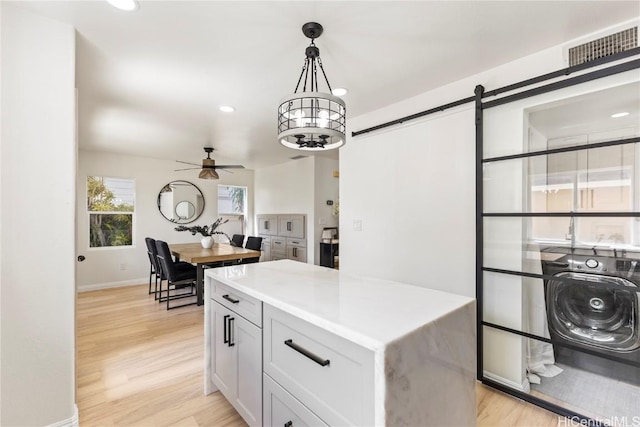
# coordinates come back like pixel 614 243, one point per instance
pixel 591 264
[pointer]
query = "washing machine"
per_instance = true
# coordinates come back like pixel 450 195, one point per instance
pixel 593 302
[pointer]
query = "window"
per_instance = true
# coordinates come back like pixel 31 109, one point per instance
pixel 232 200
pixel 110 205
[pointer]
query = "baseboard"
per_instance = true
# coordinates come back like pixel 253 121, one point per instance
pixel 74 421
pixel 108 285
pixel 524 387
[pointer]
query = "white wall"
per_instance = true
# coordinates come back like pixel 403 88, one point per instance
pixel 412 189
pixel 102 265
pixel 288 188
pixel 38 198
pixel 300 187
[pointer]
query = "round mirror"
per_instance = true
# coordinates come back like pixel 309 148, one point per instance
pixel 180 202
pixel 185 210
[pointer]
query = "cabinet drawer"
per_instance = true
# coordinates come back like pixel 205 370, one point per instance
pixel 246 306
pixel 299 243
pixel 266 240
pixel 281 409
pixel 338 386
pixel 278 244
pixel 297 254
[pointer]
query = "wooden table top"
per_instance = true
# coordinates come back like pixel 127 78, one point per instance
pixel 196 254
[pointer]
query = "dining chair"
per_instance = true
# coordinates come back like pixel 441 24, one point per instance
pixel 153 261
pixel 178 279
pixel 237 240
pixel 253 243
pixel 155 269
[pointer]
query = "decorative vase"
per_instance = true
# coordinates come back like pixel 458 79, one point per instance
pixel 207 242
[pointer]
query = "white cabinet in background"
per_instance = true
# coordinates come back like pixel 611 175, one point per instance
pixel 296 249
pixel 236 347
pixel 291 226
pixel 265 248
pixel 283 237
pixel 267 225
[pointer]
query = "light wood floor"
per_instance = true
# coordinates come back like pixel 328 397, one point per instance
pixel 141 365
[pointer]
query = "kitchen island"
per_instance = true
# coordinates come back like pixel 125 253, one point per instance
pixel 289 343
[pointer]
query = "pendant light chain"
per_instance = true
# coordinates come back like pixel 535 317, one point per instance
pixel 324 74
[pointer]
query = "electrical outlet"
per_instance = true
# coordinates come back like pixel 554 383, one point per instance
pixel 123 266
pixel 357 225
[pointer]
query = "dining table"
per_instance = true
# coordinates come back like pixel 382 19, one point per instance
pixel 195 253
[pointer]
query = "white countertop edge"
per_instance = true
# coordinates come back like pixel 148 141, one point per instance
pixel 340 330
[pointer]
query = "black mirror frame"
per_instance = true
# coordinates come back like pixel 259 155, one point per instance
pixel 196 216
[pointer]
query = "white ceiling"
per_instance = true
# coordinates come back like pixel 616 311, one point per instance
pixel 150 81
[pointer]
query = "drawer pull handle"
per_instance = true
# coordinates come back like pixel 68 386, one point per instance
pixel 288 424
pixel 320 361
pixel 231 337
pixel 226 336
pixel 228 298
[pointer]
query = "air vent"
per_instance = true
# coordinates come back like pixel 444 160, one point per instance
pixel 604 46
pixel 298 157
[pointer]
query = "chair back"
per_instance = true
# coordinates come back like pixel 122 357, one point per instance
pixel 165 260
pixel 237 240
pixel 254 243
pixel 153 253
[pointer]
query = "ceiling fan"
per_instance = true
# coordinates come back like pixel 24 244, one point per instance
pixel 209 166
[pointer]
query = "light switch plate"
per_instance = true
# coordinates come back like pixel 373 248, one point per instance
pixel 357 225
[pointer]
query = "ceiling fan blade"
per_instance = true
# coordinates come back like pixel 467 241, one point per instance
pixel 186 169
pixel 187 163
pixel 229 167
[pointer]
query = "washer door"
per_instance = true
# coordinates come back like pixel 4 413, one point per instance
pixel 589 312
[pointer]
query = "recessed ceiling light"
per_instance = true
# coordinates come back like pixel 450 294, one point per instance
pixel 339 91
pixel 124 4
pixel 227 108
pixel 622 114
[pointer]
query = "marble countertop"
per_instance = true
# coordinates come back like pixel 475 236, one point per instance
pixel 367 311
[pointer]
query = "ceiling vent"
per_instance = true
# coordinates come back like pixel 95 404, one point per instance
pixel 604 46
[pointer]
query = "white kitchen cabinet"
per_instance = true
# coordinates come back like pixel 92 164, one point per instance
pixel 282 237
pixel 236 366
pixel 297 254
pixel 267 225
pixel 296 249
pixel 282 409
pixel 291 226
pixel 265 248
pixel 331 376
pixel 365 352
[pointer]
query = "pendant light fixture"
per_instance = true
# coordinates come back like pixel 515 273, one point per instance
pixel 311 120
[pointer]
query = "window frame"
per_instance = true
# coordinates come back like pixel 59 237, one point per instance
pixel 90 212
pixel 245 202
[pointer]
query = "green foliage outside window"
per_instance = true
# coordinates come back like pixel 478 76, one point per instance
pixel 237 198
pixel 107 226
